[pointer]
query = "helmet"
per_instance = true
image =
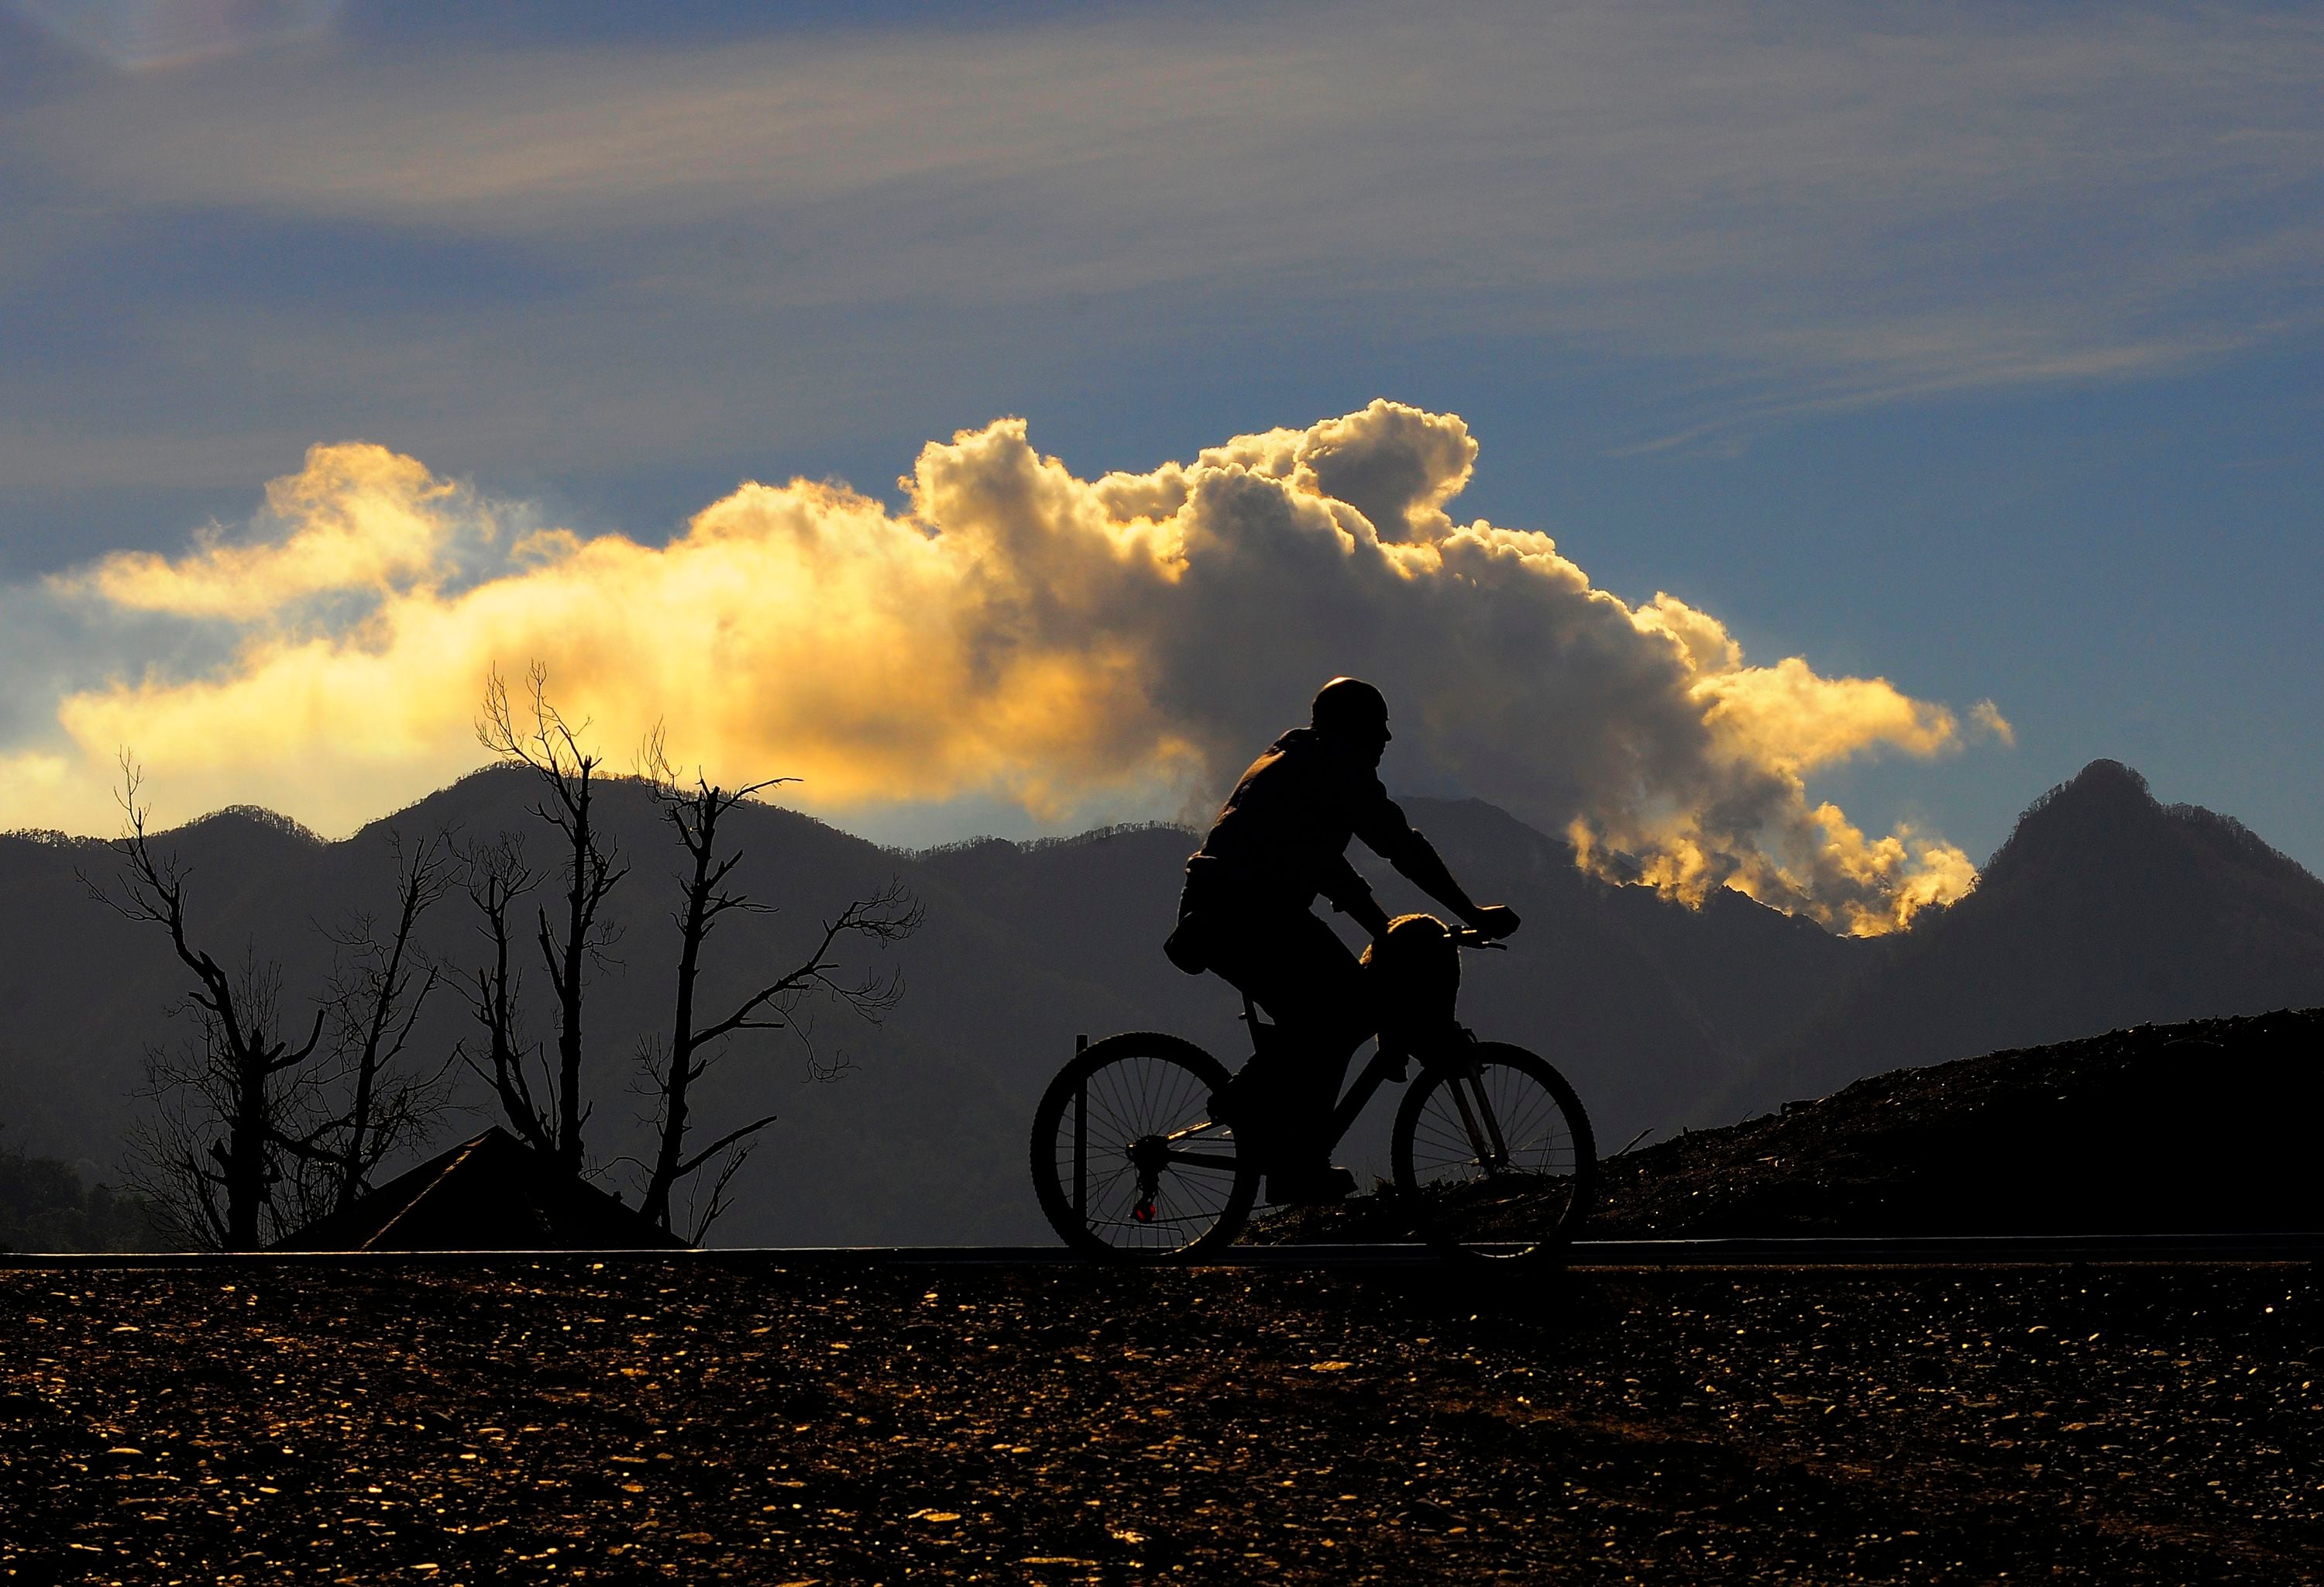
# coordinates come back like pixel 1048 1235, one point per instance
pixel 1350 707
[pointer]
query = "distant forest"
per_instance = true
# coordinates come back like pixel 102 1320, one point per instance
pixel 43 1206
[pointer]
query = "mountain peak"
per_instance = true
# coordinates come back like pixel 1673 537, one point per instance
pixel 2106 819
pixel 2105 779
pixel 2109 775
pixel 2105 810
pixel 2100 790
pixel 2105 908
pixel 239 818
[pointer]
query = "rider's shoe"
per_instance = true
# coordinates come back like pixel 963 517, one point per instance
pixel 1321 1184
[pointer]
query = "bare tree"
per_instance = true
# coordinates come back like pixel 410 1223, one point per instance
pixel 382 983
pixel 550 747
pixel 693 809
pixel 229 1105
pixel 497 877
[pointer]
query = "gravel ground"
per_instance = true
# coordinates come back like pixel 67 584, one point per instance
pixel 655 1419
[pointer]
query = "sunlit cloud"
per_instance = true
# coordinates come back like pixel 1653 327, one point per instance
pixel 1986 718
pixel 1117 645
pixel 357 518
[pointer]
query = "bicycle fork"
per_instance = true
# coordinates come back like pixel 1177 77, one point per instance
pixel 1484 1129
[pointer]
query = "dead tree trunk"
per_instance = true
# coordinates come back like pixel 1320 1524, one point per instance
pixel 498 877
pixel 378 1003
pixel 693 811
pixel 225 1128
pixel 551 748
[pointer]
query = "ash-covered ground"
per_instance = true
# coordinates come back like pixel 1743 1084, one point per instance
pixel 688 1419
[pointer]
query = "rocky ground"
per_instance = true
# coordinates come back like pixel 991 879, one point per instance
pixel 660 1419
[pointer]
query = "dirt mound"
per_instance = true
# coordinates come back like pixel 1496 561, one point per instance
pixel 2207 1126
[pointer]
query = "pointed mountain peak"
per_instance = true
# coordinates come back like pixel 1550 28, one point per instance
pixel 2106 829
pixel 2104 809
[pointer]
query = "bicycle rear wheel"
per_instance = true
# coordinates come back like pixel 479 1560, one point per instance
pixel 1494 1155
pixel 1126 1161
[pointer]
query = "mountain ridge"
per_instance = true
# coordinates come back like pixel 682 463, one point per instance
pixel 1660 1014
pixel 2104 908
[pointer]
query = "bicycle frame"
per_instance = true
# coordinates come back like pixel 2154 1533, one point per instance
pixel 1387 1062
pixel 1096 1185
pixel 1374 1074
pixel 1386 1066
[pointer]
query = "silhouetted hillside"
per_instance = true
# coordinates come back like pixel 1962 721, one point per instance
pixel 1024 946
pixel 2104 908
pixel 926 1131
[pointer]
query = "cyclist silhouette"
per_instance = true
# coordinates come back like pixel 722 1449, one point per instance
pixel 1280 839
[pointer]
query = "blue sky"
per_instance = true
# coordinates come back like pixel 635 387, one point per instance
pixel 1975 347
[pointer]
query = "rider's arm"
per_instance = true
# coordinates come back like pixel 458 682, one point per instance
pixel 1352 897
pixel 1389 834
pixel 1418 860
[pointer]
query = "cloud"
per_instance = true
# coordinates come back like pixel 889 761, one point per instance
pixel 1070 645
pixel 138 34
pixel 1833 207
pixel 1986 718
pixel 357 518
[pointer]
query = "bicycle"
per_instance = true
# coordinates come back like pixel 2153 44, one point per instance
pixel 1491 1151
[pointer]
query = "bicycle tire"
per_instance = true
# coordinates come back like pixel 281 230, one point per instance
pixel 1527 1210
pixel 1143 1084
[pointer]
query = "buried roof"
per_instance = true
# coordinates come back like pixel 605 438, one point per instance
pixel 492 1193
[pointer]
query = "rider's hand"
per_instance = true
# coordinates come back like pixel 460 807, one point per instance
pixel 1495 920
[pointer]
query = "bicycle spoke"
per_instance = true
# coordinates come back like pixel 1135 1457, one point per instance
pixel 1493 1156
pixel 1148 1109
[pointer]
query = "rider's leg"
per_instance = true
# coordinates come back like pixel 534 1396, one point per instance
pixel 1297 969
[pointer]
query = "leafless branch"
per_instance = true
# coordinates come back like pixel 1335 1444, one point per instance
pixel 382 983
pixel 240 1078
pixel 694 806
pixel 550 747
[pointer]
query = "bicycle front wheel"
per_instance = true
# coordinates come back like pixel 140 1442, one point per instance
pixel 1493 1154
pixel 1127 1162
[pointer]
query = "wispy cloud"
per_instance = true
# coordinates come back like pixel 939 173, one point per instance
pixel 1622 150
pixel 1845 207
pixel 141 34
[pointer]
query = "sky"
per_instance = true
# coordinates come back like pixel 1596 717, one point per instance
pixel 1775 443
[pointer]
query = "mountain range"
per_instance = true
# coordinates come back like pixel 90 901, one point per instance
pixel 2104 908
